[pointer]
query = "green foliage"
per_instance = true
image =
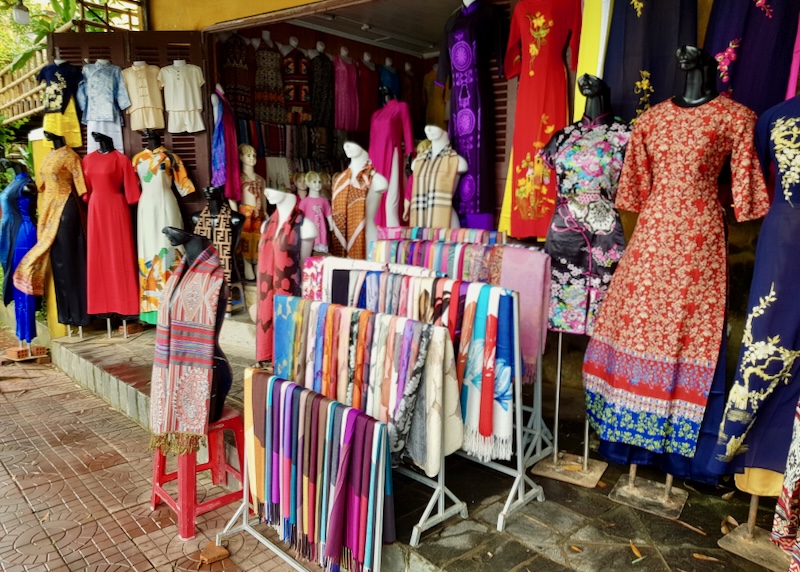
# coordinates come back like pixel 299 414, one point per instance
pixel 43 24
pixel 9 147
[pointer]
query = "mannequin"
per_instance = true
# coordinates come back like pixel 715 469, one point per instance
pixel 58 62
pixel 223 226
pixel 367 60
pixel 287 239
pixel 388 63
pixel 104 141
pixel 326 179
pixel 468 3
pixel 318 210
pixel 153 138
pixel 292 45
pixel 390 80
pixel 253 185
pixel 139 63
pixel 701 77
pixel 436 175
pixel 57 140
pixel 179 63
pixel 344 53
pixel 356 197
pixel 408 68
pixel 300 185
pixel 598 99
pixel 267 37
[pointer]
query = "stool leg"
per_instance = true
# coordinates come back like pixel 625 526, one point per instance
pixel 187 495
pixel 158 474
pixel 216 454
pixel 238 435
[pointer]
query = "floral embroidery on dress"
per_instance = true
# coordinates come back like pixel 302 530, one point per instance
pixel 766 8
pixel 785 137
pixel 534 176
pixel 646 89
pixel 638 5
pixel 726 58
pixel 540 27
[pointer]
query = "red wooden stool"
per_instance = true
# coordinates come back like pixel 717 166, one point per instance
pixel 186 506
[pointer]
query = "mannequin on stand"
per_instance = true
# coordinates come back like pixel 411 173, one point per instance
pixel 318 210
pixel 251 207
pixel 287 239
pixel 223 227
pixel 357 193
pixel 436 174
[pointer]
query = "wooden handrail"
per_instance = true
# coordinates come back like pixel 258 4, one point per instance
pixel 17 99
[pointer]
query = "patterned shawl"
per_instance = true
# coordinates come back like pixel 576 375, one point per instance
pixel 184 354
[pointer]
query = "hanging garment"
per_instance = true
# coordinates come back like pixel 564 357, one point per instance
pixel 434 184
pixel 219 229
pixel 595 27
pixel 473 36
pixel 347 94
pixel 225 151
pixel 411 93
pixel 61 85
pixel 186 354
pixel 585 239
pixel 755 434
pixel 787 511
pixel 279 272
pixel 369 80
pixel 641 68
pixel 237 74
pixel 158 171
pixel 183 98
pixel 647 372
pixel 113 287
pixel 270 104
pixel 318 210
pixel 102 95
pixel 254 217
pixel 17 237
pixel 743 36
pixel 322 90
pixel 296 91
pixel 390 140
pixel 65 124
pixel 546 28
pixel 389 78
pixel 435 97
pixel 350 211
pixel 147 107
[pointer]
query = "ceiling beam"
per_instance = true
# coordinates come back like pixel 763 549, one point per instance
pixel 281 15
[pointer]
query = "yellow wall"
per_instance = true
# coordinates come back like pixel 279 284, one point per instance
pixel 197 14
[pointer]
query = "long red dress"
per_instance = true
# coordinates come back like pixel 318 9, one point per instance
pixel 112 269
pixel 540 32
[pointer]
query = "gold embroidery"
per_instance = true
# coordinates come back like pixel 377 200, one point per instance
pixel 533 177
pixel 646 89
pixel 638 5
pixel 785 137
pixel 758 360
pixel 539 28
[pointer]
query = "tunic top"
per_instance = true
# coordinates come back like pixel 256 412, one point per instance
pixel 322 90
pixel 62 82
pixel 102 93
pixel 237 64
pixel 147 107
pixel 295 87
pixel 347 95
pixel 182 87
pixel 269 100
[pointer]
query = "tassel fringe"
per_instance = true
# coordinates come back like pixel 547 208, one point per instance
pixel 486 448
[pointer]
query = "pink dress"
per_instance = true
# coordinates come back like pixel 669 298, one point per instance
pixel 318 209
pixel 390 139
pixel 346 79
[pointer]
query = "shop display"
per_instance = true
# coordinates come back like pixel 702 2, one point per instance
pixel 237 74
pixel 286 240
pixel 183 98
pixel 318 210
pixel 389 78
pixel 102 97
pixel 752 43
pixel 649 374
pixel 355 203
pixel 640 66
pixel 191 375
pixel 296 90
pixel 390 141
pixel 369 81
pixel 595 27
pixel 147 109
pixel 158 170
pixel 474 35
pixel 61 88
pixel 17 237
pixel 547 28
pixel 251 207
pixel 756 429
pixel 436 174
pixel 270 103
pixel 321 75
pixel 112 185
pixel 60 236
pixel 347 92
pixel 224 149
pixel 585 238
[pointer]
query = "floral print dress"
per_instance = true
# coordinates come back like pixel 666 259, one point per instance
pixel 585 238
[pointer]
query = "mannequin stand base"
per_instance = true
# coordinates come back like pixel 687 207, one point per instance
pixel 648 496
pixel 758 549
pixel 569 469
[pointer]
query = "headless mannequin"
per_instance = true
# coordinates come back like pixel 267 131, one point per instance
pixel 102 61
pixel 59 62
pixel 179 63
pixel 358 159
pixel 367 60
pixel 105 142
pixel 408 69
pixel 286 48
pixel 319 50
pixel 267 37
pixel 222 377
pixel 139 63
pixel 344 55
pixel 701 77
pixel 388 63
pixel 439 141
pixel 468 3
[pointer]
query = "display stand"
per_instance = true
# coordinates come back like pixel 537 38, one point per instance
pixel 659 499
pixel 566 467
pixel 754 544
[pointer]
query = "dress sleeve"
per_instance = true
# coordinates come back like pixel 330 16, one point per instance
pixel 180 177
pixel 513 59
pixel 575 35
pixel 408 134
pixel 326 208
pixel 82 183
pixel 81 99
pixel 120 91
pixel 129 180
pixel 548 152
pixel 201 81
pixel 750 199
pixel 763 129
pixel 636 179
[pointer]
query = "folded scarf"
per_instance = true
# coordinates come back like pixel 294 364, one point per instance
pixel 311 345
pixel 284 325
pixel 471 359
pixel 320 346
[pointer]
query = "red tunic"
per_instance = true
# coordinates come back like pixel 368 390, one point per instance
pixel 112 271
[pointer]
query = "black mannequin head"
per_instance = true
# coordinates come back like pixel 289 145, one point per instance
pixel 16 166
pixel 57 140
pixel 153 138
pixel 105 142
pixel 692 57
pixel 193 244
pixel 598 96
pixel 701 76
pixel 591 85
pixel 213 193
pixel 386 93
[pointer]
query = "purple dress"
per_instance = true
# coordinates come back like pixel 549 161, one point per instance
pixel 473 36
pixel 346 117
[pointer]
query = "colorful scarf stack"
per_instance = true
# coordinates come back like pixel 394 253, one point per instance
pixel 320 473
pixel 180 388
pixel 393 368
pixel 465 235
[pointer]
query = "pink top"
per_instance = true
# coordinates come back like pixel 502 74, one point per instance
pixel 346 79
pixel 791 89
pixel 390 134
pixel 318 209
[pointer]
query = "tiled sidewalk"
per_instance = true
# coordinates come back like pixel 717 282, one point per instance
pixel 75 487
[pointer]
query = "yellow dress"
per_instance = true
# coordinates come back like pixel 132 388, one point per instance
pixel 64 124
pixel 592 51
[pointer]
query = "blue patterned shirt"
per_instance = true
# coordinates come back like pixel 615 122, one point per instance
pixel 102 95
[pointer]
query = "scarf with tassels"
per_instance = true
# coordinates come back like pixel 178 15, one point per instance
pixel 184 354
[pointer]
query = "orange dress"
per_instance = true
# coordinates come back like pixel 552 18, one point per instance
pixel 350 212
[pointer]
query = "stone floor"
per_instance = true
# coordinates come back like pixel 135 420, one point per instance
pixel 75 486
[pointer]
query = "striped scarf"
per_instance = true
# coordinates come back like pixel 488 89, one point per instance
pixel 435 180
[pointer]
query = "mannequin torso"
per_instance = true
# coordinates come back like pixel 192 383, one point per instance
pixel 367 61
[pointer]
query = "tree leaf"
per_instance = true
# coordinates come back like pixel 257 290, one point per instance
pixel 635 549
pixel 705 558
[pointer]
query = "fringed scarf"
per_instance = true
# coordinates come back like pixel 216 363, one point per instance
pixel 184 354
